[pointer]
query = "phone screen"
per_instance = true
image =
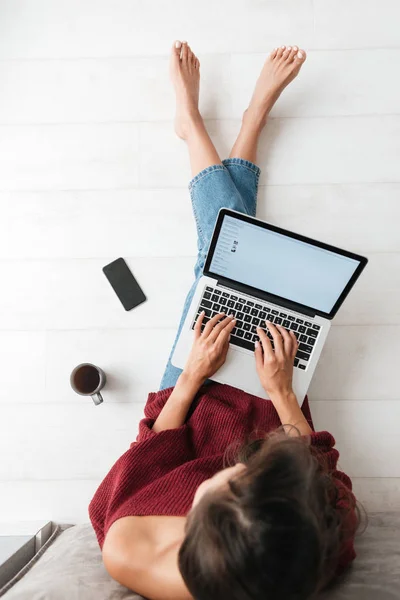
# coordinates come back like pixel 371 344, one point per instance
pixel 124 284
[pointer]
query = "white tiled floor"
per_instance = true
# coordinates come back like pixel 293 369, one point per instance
pixel 90 169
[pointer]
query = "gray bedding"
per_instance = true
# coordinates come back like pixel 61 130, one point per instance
pixel 71 568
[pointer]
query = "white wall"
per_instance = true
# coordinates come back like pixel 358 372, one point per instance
pixel 90 169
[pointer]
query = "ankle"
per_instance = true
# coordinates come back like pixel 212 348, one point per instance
pixel 254 119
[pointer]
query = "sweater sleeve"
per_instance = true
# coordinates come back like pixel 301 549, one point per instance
pixel 154 405
pixel 323 444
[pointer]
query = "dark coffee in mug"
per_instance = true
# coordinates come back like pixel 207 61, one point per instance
pixel 87 380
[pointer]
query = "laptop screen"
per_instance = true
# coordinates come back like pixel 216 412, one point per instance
pixel 281 265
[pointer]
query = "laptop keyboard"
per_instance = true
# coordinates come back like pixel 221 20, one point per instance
pixel 252 313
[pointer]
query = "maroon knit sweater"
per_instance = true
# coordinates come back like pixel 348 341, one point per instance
pixel 160 472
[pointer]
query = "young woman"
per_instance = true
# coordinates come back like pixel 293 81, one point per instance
pixel 173 520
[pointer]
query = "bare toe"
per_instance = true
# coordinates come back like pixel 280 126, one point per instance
pixel 280 51
pixel 286 53
pixel 184 52
pixel 274 53
pixel 292 54
pixel 300 57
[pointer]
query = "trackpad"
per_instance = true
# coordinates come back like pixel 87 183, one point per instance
pixel 239 370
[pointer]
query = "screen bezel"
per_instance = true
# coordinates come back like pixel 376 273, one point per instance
pixel 265 295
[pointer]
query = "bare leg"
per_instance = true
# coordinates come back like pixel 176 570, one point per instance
pixel 280 68
pixel 189 124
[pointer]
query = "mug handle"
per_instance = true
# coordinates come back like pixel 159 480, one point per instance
pixel 97 398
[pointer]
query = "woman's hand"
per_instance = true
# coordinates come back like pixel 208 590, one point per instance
pixel 275 368
pixel 210 347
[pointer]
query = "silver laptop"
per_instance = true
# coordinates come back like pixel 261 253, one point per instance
pixel 260 272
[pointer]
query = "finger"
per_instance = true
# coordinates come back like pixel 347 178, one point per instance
pixel 295 344
pixel 197 327
pixel 276 336
pixel 287 340
pixel 219 327
pixel 211 324
pixel 266 344
pixel 225 333
pixel 258 355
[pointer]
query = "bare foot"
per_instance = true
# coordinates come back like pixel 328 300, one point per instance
pixel 280 68
pixel 185 76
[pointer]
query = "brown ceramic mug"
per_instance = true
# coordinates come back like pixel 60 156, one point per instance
pixel 87 380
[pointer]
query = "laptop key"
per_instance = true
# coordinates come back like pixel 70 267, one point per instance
pixel 296 362
pixel 253 329
pixel 209 289
pixel 256 338
pixel 270 318
pixel 238 306
pixel 246 309
pixel 223 301
pixel 241 342
pixel 303 338
pixel 302 329
pixel 266 309
pixel 225 295
pixel 283 315
pixel 312 333
pixel 249 303
pixel 286 323
pixel 256 321
pixel 246 326
pixel 248 336
pixel 307 323
pixel 230 303
pixel 262 315
pixel 240 316
pixel 278 320
pixel 242 300
pixel 317 327
pixel 239 324
pixel 300 321
pixel 275 312
pixel 302 355
pixel 247 318
pixel 310 341
pixel 258 306
pixel 291 318
pixel 214 298
pixel 216 307
pixel 205 304
pixel 234 297
pixel 296 333
pixel 240 333
pixel 306 348
pixel 207 295
pixel 303 367
pixel 218 292
pixel 254 312
pixel 294 326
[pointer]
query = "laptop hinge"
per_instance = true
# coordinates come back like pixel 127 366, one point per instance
pixel 267 297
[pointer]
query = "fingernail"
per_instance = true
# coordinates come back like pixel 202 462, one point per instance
pixel 203 312
pixel 289 47
pixel 256 344
pixel 231 316
pixel 295 48
pixel 178 44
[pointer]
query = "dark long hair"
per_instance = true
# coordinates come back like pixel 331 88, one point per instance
pixel 272 534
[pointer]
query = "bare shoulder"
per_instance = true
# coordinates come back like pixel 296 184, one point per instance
pixel 141 553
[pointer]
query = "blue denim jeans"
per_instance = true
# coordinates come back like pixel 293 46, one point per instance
pixel 231 185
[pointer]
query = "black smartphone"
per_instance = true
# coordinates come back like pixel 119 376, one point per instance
pixel 124 284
